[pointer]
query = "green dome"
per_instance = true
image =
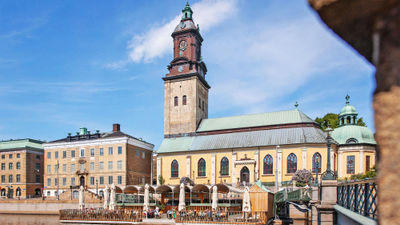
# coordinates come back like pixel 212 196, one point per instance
pixel 348 109
pixel 353 134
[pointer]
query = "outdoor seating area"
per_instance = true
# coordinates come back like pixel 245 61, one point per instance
pixel 100 214
pixel 216 217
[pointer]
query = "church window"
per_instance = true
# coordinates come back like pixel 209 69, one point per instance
pixel 199 103
pixel 184 100
pixel 174 169
pixel 291 163
pixel 268 164
pixel 201 168
pixel 203 105
pixel 351 141
pixel 350 164
pixel 316 163
pixel 367 163
pixel 224 166
pixel 176 101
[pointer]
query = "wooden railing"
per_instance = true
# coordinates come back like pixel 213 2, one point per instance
pixel 100 214
pixel 359 196
pixel 210 217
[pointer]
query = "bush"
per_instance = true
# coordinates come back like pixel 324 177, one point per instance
pixel 186 181
pixel 161 180
pixel 302 177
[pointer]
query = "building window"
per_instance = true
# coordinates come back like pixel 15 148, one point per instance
pixel 18 178
pixel 199 103
pixel 137 153
pixel 119 150
pixel 291 163
pixel 64 168
pixel 48 182
pixel 10 156
pixel 10 179
pixel 176 101
pixel 55 181
pixel 110 179
pixel 92 166
pixel 37 167
pixel 101 151
pixel 110 150
pixel 10 166
pixel 350 164
pixel 224 166
pixel 202 103
pixel 268 164
pixel 367 163
pixel 82 152
pixel 38 157
pixel 174 169
pixel 18 155
pixel 56 155
pixel 64 181
pixel 110 165
pixel 91 180
pixel 82 167
pixel 184 100
pixel 18 166
pixel 3 166
pixel 3 156
pixel 64 154
pixel 72 181
pixel 119 179
pixel 73 168
pixel 73 154
pixel 101 166
pixel 201 168
pixel 3 178
pixel 48 168
pixel 119 164
pixel 316 163
pixel 37 180
pixel 143 155
pixel 92 152
pixel 56 168
pixel 49 155
pixel 101 181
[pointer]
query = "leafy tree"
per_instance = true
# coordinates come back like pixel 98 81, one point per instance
pixel 161 180
pixel 302 177
pixel 360 122
pixel 330 118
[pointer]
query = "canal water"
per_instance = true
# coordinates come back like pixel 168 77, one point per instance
pixel 9 219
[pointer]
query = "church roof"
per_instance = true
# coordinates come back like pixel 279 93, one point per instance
pixel 20 144
pixel 353 134
pixel 273 137
pixel 254 120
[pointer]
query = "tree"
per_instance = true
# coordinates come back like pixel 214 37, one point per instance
pixel 360 122
pixel 302 177
pixel 330 118
pixel 161 180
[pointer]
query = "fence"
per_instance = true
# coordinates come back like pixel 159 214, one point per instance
pixel 360 197
pixel 100 214
pixel 210 217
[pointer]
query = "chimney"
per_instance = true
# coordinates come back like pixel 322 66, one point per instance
pixel 116 127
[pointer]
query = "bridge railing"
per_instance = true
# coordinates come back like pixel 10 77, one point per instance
pixel 360 197
pixel 100 214
pixel 215 217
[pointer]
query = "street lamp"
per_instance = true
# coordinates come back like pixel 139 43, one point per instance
pixel 317 162
pixel 58 181
pixel 328 174
pixel 97 187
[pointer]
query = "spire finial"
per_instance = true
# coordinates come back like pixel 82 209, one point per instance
pixel 347 99
pixel 296 104
pixel 187 12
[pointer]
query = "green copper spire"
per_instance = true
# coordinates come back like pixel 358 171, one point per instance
pixel 296 105
pixel 347 99
pixel 187 12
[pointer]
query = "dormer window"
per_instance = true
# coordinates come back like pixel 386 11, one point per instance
pixel 351 141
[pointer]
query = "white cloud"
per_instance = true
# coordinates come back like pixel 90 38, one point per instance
pixel 157 41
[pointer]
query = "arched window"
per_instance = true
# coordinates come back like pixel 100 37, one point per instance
pixel 316 163
pixel 176 101
pixel 291 163
pixel 342 121
pixel 268 164
pixel 348 120
pixel 201 168
pixel 351 141
pixel 224 166
pixel 174 169
pixel 184 100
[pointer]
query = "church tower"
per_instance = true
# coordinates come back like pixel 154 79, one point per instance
pixel 186 90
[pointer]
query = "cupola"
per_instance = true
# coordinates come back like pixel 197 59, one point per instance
pixel 187 12
pixel 348 114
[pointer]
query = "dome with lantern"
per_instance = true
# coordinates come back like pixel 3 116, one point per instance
pixel 186 21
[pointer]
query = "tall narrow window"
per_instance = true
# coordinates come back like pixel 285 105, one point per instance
pixel 367 163
pixel 350 164
pixel 184 100
pixel 268 164
pixel 291 163
pixel 199 103
pixel 224 166
pixel 174 169
pixel 316 163
pixel 201 168
pixel 202 105
pixel 176 101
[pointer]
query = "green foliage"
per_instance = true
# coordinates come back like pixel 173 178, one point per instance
pixel 330 118
pixel 161 180
pixel 368 175
pixel 360 122
pixel 302 177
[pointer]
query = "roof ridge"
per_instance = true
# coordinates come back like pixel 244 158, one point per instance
pixel 253 114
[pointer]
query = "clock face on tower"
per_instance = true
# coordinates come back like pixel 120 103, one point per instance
pixel 183 45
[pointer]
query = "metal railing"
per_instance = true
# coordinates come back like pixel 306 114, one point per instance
pixel 215 217
pixel 100 214
pixel 360 197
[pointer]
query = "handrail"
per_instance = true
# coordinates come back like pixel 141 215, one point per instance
pixel 216 217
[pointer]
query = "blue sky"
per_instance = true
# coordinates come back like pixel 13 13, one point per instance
pixel 71 64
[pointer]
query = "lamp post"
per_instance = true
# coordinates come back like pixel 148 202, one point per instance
pixel 97 187
pixel 58 182
pixel 328 175
pixel 317 161
pixel 276 170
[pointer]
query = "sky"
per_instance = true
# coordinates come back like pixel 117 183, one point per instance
pixel 71 64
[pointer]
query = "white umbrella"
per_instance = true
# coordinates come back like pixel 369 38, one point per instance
pixel 81 198
pixel 146 198
pixel 181 198
pixel 214 204
pixel 246 200
pixel 106 198
pixel 112 197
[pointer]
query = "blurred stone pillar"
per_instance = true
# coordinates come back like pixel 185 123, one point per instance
pixel 326 212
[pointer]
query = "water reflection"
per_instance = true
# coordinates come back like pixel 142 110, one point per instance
pixel 9 219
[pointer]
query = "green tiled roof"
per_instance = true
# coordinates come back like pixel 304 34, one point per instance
pixel 363 135
pixel 180 144
pixel 21 143
pixel 254 120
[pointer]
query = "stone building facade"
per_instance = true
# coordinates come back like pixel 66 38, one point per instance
pixel 94 160
pixel 21 171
